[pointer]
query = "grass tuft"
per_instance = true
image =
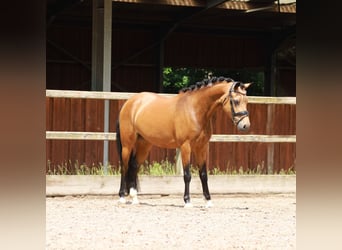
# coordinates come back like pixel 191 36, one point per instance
pixel 154 168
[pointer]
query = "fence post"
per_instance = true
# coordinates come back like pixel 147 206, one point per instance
pixel 270 146
pixel 106 142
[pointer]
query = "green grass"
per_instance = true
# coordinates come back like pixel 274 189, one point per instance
pixel 158 169
pixel 69 168
pixel 154 169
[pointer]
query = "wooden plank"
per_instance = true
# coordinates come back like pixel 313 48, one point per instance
pixel 92 94
pixel 253 138
pixel 63 135
pixel 271 100
pixel 127 95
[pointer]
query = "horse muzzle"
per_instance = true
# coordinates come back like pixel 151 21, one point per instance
pixel 243 124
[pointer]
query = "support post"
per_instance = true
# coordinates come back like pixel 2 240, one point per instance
pixel 97 46
pixel 107 65
pixel 101 60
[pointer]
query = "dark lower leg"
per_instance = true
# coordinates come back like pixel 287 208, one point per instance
pixel 122 185
pixel 187 179
pixel 204 180
pixel 132 173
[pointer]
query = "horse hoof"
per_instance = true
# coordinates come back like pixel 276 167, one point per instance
pixel 122 200
pixel 188 205
pixel 209 204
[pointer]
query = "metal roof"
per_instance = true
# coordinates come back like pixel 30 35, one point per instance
pixel 262 15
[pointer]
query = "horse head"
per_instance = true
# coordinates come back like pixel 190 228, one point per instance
pixel 235 104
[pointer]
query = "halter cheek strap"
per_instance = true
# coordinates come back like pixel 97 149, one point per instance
pixel 243 114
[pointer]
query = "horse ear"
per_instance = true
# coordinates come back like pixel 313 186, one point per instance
pixel 246 85
pixel 237 85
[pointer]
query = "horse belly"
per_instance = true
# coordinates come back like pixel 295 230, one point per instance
pixel 163 142
pixel 157 132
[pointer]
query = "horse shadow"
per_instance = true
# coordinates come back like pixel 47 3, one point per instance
pixel 172 205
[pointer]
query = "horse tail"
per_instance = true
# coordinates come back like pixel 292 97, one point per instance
pixel 118 140
pixel 123 185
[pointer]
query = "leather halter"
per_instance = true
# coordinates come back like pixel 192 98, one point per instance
pixel 243 114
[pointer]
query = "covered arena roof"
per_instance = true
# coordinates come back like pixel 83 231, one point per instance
pixel 238 14
pixel 250 31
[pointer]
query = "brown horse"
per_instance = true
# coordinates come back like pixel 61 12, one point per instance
pixel 182 121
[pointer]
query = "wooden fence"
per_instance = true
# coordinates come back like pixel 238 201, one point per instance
pixel 269 154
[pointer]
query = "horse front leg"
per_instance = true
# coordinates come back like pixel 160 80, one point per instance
pixel 204 180
pixel 201 158
pixel 187 179
pixel 185 152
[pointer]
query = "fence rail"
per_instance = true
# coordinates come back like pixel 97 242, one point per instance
pixel 126 95
pixel 65 135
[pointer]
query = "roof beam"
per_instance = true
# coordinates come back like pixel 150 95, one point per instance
pixel 210 4
pixel 261 8
pixel 69 54
pixel 214 3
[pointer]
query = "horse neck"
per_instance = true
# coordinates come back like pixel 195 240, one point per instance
pixel 208 100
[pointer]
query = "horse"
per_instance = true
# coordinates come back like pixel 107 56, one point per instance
pixel 182 121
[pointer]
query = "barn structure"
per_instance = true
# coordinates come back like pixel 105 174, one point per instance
pixel 123 46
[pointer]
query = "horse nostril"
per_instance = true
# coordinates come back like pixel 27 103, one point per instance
pixel 244 127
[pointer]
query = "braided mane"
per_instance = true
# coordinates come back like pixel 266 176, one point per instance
pixel 205 83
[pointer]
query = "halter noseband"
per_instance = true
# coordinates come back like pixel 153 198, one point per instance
pixel 243 114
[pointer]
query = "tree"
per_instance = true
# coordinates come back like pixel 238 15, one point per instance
pixel 178 78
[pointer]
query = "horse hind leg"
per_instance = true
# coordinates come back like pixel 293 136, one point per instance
pixel 132 178
pixel 142 148
pixel 125 157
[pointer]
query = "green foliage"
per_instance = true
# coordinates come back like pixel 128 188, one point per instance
pixel 178 78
